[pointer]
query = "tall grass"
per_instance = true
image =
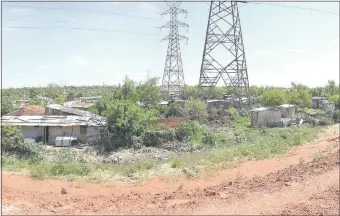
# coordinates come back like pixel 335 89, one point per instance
pixel 253 146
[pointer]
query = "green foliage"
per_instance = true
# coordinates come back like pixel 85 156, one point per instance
pixel 14 143
pixel 34 92
pixel 11 138
pixel 127 91
pixel 36 101
pixel 149 93
pixel 336 116
pixel 52 91
pixel 61 99
pixel 155 138
pixel 139 166
pixel 302 98
pixel 273 97
pixel 195 110
pixel 6 105
pixel 335 99
pixel 126 120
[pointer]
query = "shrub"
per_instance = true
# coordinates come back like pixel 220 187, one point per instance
pixel 14 143
pixel 138 166
pixel 336 116
pixel 177 163
pixel 209 138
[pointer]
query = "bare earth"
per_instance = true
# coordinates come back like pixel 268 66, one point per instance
pixel 282 185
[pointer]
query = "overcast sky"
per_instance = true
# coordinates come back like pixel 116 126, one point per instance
pixel 282 44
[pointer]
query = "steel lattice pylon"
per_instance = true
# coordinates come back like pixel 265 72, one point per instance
pixel 173 77
pixel 224 55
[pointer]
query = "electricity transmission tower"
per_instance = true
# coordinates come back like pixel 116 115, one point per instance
pixel 223 54
pixel 173 77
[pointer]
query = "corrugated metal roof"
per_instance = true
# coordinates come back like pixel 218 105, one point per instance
pixel 78 104
pixel 51 121
pixel 69 110
pixel 29 110
pixel 287 105
pixel 319 98
pixel 259 109
pixel 216 100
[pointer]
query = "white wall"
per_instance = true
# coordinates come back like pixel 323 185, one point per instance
pixel 62 131
pixel 31 132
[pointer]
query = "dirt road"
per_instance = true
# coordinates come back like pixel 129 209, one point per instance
pixel 304 181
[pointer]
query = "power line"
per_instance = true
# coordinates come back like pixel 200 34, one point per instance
pixel 296 7
pixel 79 29
pixel 83 10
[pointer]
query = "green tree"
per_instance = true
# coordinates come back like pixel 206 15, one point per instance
pixel 149 93
pixel 6 105
pixel 127 91
pixel 52 91
pixel 11 137
pixel 70 95
pixel 36 101
pixel 273 97
pixel 125 120
pixel 61 99
pixel 336 100
pixel 33 92
pixel 301 98
pixel 331 87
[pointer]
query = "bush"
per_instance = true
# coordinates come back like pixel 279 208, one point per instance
pixel 209 138
pixel 177 163
pixel 13 142
pixel 336 116
pixel 155 138
pixel 140 165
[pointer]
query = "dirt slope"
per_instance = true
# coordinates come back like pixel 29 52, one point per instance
pixel 274 186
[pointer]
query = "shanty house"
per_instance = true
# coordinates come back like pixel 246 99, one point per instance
pixel 216 104
pixel 21 103
pixel 265 117
pixel 287 111
pixel 57 109
pixel 317 101
pixel 326 105
pixel 47 129
pixel 82 103
pixel 31 110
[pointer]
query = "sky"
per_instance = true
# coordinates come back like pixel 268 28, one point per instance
pixel 282 44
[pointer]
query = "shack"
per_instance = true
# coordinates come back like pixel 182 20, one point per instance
pixel 47 128
pixel 316 101
pixel 326 105
pixel 31 110
pixel 57 109
pixel 216 104
pixel 287 111
pixel 267 117
pixel 83 103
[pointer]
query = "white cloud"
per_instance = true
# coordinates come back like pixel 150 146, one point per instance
pixel 81 61
pixel 297 51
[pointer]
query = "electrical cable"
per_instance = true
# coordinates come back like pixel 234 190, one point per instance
pixel 296 7
pixel 79 29
pixel 81 10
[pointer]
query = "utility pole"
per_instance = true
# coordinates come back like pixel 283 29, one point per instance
pixel 224 55
pixel 173 77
